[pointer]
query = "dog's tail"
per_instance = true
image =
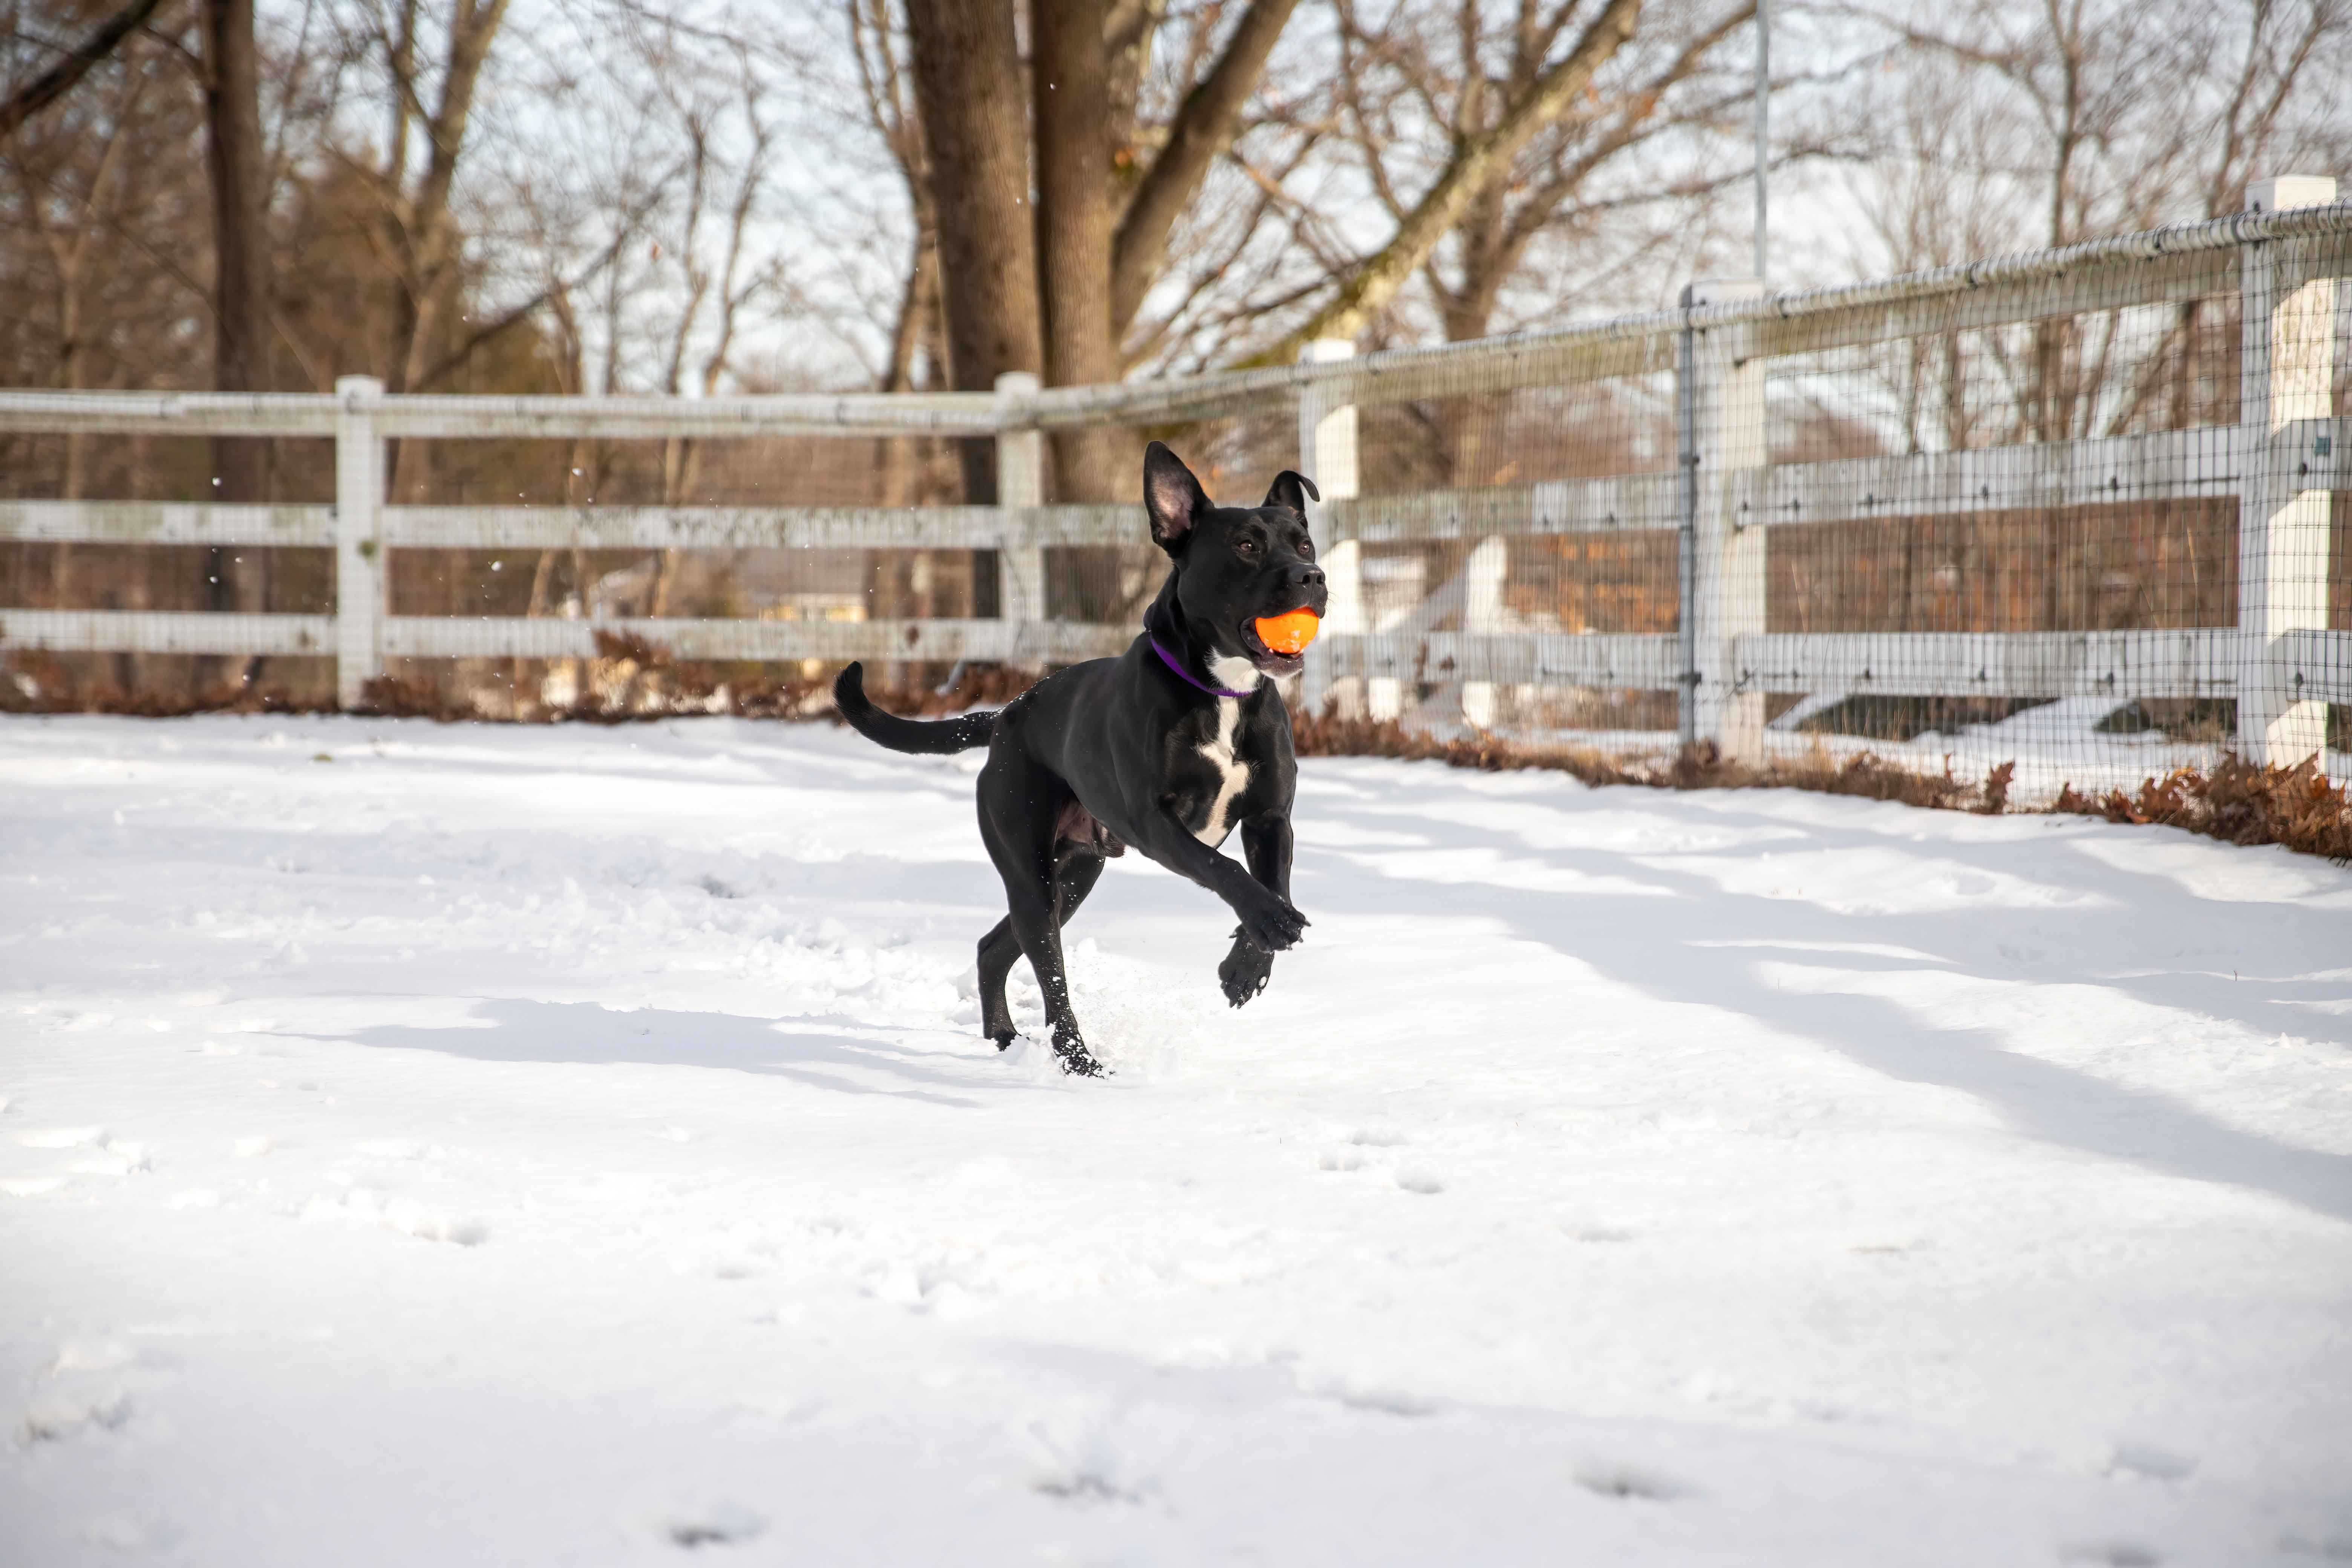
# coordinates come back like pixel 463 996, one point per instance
pixel 924 737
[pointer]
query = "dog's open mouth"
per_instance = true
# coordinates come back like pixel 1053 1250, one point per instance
pixel 1279 664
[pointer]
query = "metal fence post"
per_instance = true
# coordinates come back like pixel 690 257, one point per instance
pixel 360 572
pixel 1719 430
pixel 1020 483
pixel 2286 370
pixel 1327 454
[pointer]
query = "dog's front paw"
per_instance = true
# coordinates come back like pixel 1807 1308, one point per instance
pixel 1245 970
pixel 1271 922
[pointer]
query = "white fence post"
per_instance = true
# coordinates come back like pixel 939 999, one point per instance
pixel 1020 483
pixel 2285 368
pixel 1482 611
pixel 1327 454
pixel 360 567
pixel 1719 407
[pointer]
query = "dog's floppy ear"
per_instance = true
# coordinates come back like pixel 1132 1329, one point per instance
pixel 1172 496
pixel 1285 491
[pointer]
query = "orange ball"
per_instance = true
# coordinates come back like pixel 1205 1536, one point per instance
pixel 1290 633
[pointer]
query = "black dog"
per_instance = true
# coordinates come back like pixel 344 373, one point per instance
pixel 1169 747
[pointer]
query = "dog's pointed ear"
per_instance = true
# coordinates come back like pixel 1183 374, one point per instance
pixel 1293 491
pixel 1173 498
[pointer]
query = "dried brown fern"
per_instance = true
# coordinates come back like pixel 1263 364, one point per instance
pixel 2239 802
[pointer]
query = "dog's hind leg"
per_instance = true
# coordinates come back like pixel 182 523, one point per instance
pixel 1074 878
pixel 998 949
pixel 1041 943
pixel 1019 804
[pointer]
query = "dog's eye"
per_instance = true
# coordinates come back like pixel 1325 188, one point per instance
pixel 1247 546
pixel 1307 548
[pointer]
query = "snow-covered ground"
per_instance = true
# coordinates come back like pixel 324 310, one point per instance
pixel 446 1145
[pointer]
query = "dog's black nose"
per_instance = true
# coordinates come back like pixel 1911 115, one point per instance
pixel 1306 576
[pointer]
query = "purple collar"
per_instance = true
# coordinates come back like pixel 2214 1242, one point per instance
pixel 1188 678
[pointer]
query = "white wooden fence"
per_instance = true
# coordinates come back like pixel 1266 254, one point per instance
pixel 2279 661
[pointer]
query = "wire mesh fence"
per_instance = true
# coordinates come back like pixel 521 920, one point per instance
pixel 2080 511
pixel 1533 511
pixel 2117 513
pixel 2007 531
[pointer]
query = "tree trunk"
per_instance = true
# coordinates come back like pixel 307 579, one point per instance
pixel 888 572
pixel 896 457
pixel 1074 223
pixel 73 372
pixel 969 83
pixel 426 241
pixel 236 163
pixel 1468 425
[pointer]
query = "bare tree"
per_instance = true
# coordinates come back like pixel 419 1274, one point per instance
pixel 68 226
pixel 718 282
pixel 1119 154
pixel 428 98
pixel 1204 126
pixel 1491 120
pixel 1103 224
pixel 2118 114
pixel 237 172
pixel 906 582
pixel 972 89
pixel 2021 123
pixel 878 47
pixel 1076 225
pixel 1494 183
pixel 103 238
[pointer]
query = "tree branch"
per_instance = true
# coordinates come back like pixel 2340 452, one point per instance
pixel 556 288
pixel 1203 127
pixel 1475 165
pixel 58 80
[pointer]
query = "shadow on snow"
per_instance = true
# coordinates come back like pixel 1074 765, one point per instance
pixel 583 1033
pixel 2039 1097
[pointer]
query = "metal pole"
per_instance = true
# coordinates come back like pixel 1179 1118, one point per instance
pixel 1763 121
pixel 1686 509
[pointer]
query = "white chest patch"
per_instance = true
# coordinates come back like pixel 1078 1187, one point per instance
pixel 1234 672
pixel 1234 775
